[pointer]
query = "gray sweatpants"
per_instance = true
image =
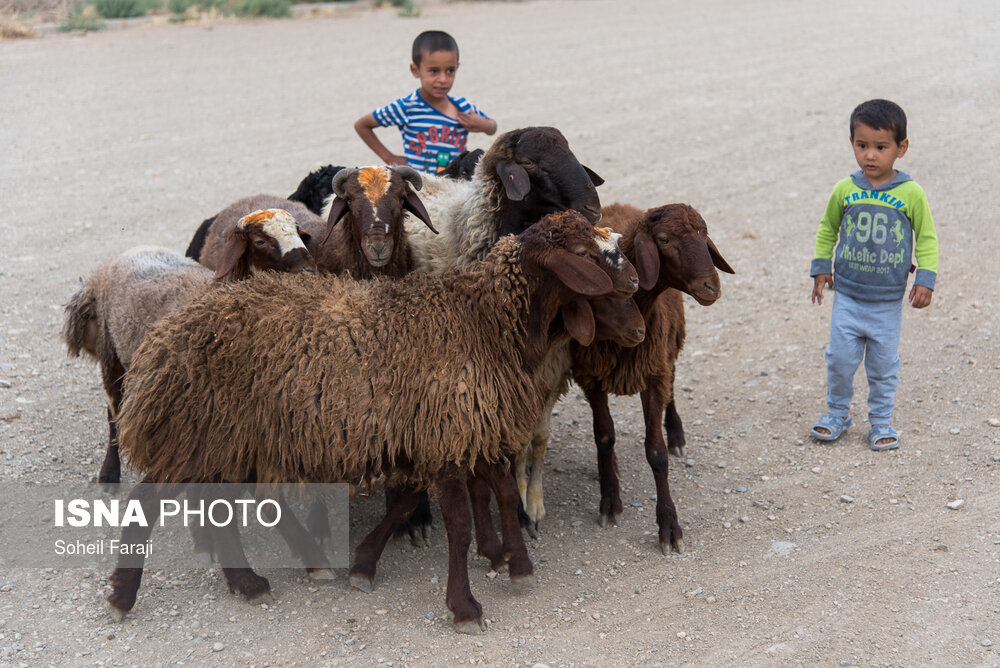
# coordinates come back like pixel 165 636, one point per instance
pixel 870 330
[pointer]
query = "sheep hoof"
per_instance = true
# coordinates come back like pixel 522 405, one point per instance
pixel 322 574
pixel 417 540
pixel 532 529
pixel 522 583
pixel 472 627
pixel 674 545
pixel 263 598
pixel 116 613
pixel 677 451
pixel 608 519
pixel 361 582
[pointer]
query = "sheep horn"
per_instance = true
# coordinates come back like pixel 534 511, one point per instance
pixel 338 181
pixel 411 175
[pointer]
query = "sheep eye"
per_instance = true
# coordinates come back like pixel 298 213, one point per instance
pixel 526 163
pixel 259 243
pixel 664 240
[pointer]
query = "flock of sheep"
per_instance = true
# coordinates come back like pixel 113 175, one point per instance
pixel 359 332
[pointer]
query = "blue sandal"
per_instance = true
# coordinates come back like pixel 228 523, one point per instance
pixel 833 424
pixel 881 432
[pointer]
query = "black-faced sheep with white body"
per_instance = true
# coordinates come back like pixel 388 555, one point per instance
pixel 323 379
pixel 109 315
pixel 671 249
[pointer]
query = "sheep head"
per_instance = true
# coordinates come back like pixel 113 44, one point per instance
pixel 267 239
pixel 316 188
pixel 371 200
pixel 463 165
pixel 673 250
pixel 578 265
pixel 537 174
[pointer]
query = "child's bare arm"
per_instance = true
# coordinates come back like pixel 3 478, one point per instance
pixel 365 127
pixel 477 123
pixel 819 281
pixel 920 296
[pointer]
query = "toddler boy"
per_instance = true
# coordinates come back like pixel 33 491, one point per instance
pixel 879 219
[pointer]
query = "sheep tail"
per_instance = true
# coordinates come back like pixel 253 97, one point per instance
pixel 80 331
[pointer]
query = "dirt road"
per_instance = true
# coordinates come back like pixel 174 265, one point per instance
pixel 798 552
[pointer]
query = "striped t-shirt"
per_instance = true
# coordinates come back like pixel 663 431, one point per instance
pixel 430 139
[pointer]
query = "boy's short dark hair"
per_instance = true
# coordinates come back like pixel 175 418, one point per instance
pixel 431 41
pixel 880 115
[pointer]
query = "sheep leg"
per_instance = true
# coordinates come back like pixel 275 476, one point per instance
pixel 514 551
pixel 299 540
pixel 533 505
pixel 112 372
pixel 229 548
pixel 607 462
pixel 454 502
pixel 670 533
pixel 675 430
pixel 318 521
pixel 487 542
pixel 200 535
pixel 418 525
pixel 521 475
pixel 368 552
pixel 127 576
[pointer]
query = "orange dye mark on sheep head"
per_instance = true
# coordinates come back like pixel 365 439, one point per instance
pixel 374 181
pixel 258 217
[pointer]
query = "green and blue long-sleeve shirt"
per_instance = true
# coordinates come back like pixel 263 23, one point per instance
pixel 877 231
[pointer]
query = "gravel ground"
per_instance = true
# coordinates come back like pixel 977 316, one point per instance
pixel 797 552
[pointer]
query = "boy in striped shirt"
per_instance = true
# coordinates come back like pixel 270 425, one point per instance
pixel 435 126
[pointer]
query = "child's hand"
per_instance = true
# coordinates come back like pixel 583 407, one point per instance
pixel 920 296
pixel 394 159
pixel 819 281
pixel 476 123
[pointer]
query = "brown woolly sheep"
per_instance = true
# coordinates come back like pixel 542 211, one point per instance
pixel 327 379
pixel 672 252
pixel 109 314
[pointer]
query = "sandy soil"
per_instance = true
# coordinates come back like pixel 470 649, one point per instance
pixel 798 552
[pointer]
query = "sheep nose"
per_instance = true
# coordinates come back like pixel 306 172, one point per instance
pixel 640 334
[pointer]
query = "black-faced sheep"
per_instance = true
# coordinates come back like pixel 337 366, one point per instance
pixel 672 252
pixel 524 175
pixel 316 189
pixel 109 315
pixel 463 165
pixel 326 379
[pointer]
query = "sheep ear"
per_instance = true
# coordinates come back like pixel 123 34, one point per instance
pixel 647 260
pixel 305 236
pixel 338 208
pixel 717 259
pixel 579 275
pixel 236 246
pixel 594 177
pixel 579 320
pixel 413 204
pixel 514 178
